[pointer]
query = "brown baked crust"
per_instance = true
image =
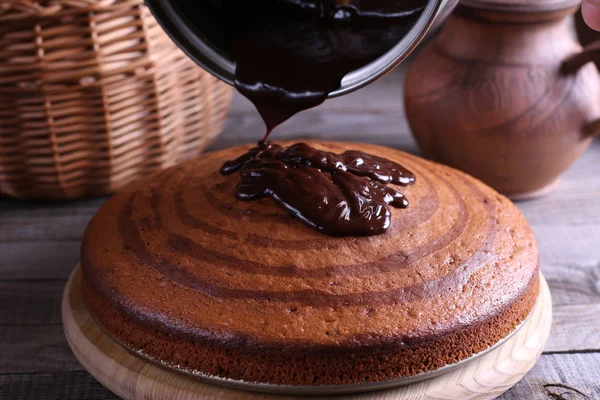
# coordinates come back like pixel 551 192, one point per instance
pixel 319 367
pixel 179 270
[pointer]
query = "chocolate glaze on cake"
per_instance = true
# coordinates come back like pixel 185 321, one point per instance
pixel 178 269
pixel 337 194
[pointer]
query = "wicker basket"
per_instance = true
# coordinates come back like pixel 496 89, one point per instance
pixel 94 94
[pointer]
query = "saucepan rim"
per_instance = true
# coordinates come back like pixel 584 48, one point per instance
pixel 224 69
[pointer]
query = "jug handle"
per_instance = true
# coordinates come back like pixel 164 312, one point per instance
pixel 571 65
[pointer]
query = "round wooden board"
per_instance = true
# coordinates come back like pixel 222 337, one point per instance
pixel 133 378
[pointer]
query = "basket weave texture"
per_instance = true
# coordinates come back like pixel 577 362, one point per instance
pixel 93 94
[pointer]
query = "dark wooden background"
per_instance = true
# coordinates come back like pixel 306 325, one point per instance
pixel 39 246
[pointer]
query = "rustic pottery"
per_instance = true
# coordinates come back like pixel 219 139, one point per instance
pixel 506 93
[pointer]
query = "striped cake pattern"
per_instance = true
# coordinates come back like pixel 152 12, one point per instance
pixel 179 256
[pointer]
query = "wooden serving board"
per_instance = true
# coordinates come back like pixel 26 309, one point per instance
pixel 133 378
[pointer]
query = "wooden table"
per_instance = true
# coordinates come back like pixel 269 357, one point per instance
pixel 39 246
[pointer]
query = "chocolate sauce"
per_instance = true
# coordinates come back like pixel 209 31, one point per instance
pixel 290 54
pixel 336 194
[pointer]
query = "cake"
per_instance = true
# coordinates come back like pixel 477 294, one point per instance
pixel 179 270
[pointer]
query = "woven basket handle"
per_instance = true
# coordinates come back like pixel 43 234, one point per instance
pixel 571 65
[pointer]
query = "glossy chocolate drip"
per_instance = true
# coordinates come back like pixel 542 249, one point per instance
pixel 290 54
pixel 336 194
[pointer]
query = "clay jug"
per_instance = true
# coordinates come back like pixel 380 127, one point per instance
pixel 506 93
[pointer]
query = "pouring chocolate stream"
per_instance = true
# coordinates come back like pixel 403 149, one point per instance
pixel 290 54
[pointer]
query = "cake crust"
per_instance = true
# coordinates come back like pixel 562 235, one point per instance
pixel 178 269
